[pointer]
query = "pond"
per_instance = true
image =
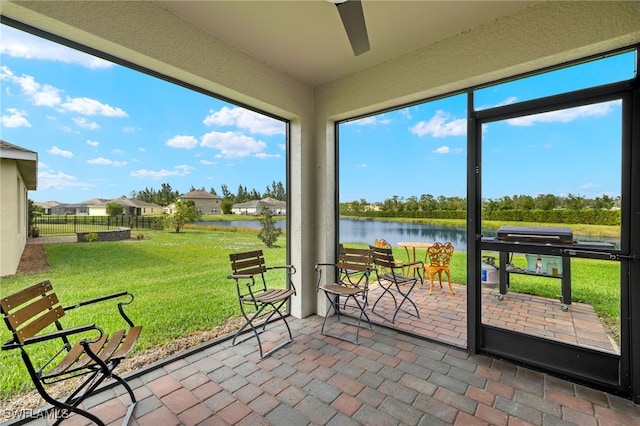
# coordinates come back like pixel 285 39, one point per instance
pixel 367 231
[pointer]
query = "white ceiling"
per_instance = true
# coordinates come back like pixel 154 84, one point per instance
pixel 306 39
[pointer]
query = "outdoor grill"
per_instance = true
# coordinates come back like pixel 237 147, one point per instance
pixel 535 234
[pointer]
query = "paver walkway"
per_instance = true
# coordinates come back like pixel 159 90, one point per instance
pixel 389 379
pixel 56 239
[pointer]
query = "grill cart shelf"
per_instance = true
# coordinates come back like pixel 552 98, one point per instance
pixel 565 277
pixel 551 244
pixel 546 237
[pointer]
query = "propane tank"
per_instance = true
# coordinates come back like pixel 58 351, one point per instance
pixel 490 277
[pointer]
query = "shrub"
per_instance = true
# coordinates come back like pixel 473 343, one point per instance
pixel 269 233
pixel 91 237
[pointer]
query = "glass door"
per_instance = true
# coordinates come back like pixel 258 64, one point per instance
pixel 553 270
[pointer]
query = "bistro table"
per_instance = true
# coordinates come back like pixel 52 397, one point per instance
pixel 411 255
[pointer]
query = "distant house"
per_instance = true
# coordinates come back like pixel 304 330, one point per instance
pixel 98 207
pixel 205 202
pixel 130 207
pixel 255 207
pixel 18 174
pixel 47 206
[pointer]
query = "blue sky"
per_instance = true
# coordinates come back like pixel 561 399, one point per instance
pixel 421 149
pixel 102 131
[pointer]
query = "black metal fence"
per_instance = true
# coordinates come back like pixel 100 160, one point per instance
pixel 61 225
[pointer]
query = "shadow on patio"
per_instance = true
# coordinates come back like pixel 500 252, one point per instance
pixel 390 378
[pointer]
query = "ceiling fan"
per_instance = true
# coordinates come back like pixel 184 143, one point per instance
pixel 353 20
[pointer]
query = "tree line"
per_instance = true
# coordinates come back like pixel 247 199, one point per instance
pixel 429 203
pixel 602 210
pixel 167 195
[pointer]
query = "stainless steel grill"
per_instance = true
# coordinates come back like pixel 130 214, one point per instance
pixel 535 234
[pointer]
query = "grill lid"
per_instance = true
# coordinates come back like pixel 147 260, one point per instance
pixel 535 234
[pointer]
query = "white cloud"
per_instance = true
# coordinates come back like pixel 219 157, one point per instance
pixel 101 161
pixel 87 106
pixel 182 141
pixel 207 162
pixel 82 122
pixel 141 149
pixel 19 44
pixel 245 119
pixel 61 152
pixel 233 144
pixel 59 180
pixel 130 129
pixel 47 95
pixel 181 170
pixel 508 101
pixel 93 143
pixel 565 115
pixel 440 126
pixel 263 155
pixel 441 150
pixel 369 121
pixel 40 95
pixel 361 166
pixel 15 118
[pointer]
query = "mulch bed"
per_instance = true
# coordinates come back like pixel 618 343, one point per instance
pixel 33 260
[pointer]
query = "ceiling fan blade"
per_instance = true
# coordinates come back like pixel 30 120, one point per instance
pixel 353 21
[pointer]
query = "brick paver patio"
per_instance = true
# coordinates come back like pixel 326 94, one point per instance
pixel 389 379
pixel 443 317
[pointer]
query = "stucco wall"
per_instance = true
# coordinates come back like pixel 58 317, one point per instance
pixel 13 227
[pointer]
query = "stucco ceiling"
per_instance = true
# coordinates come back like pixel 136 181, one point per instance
pixel 306 38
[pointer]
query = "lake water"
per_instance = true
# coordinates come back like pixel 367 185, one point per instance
pixel 367 231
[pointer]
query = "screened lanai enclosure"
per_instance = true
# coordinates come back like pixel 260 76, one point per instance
pixel 549 136
pixel 476 109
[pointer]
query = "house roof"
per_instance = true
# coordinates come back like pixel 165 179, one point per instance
pixel 199 194
pixel 26 160
pixel 265 202
pixel 100 202
pixel 47 204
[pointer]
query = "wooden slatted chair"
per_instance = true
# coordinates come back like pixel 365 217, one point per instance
pixel 258 302
pixel 352 283
pixel 439 258
pixel 32 313
pixel 381 243
pixel 393 282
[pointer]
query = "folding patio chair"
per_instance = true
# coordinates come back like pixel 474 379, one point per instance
pixel 384 244
pixel 393 282
pixel 258 302
pixel 32 314
pixel 352 283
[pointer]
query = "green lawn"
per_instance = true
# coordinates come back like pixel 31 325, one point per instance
pixel 179 282
pixel 180 285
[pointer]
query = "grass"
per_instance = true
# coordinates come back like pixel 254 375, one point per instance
pixel 180 285
pixel 179 282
